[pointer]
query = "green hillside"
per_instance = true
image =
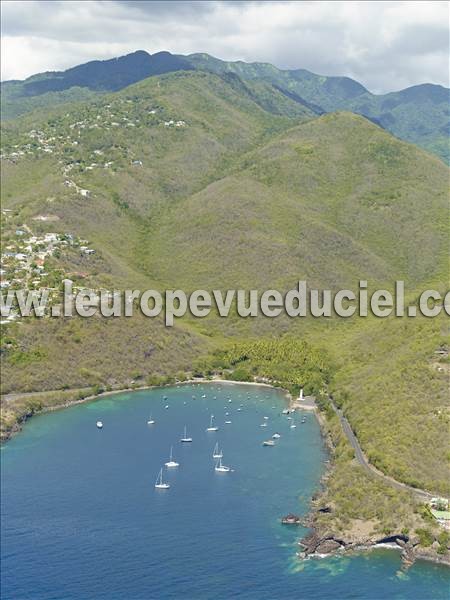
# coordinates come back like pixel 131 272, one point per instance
pixel 85 81
pixel 324 201
pixel 419 114
pixel 335 190
pixel 219 124
pixel 196 181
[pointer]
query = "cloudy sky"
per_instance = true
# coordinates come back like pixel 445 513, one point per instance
pixel 384 45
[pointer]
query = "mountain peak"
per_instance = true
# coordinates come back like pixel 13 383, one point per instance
pixel 108 75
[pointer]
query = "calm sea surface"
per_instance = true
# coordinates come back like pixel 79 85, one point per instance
pixel 81 518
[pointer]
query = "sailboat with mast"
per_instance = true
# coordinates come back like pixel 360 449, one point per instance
pixel 150 421
pixel 216 452
pixel 172 463
pixel 211 426
pixel 220 468
pixel 185 437
pixel 160 484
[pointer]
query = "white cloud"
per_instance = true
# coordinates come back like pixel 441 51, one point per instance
pixel 384 45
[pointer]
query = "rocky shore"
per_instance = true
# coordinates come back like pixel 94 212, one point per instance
pixel 320 544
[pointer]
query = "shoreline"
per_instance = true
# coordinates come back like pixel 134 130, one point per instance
pixel 357 548
pixel 341 547
pixel 47 409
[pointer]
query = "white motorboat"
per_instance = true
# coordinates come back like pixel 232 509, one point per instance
pixel 151 421
pixel 99 424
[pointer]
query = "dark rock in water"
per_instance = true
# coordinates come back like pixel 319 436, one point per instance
pixel 291 519
pixel 325 542
pixel 408 555
pixel 327 546
pixel 320 544
pixel 310 542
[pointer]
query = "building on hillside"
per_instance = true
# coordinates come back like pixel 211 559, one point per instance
pixel 442 517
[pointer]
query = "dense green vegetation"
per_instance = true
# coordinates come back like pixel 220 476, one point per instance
pixel 250 190
pixel 391 374
pixel 286 362
pixel 418 114
pixel 322 202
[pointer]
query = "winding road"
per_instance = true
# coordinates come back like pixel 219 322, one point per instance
pixel 363 461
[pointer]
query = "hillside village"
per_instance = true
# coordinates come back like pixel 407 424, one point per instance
pixel 88 139
pixel 26 260
pixel 82 140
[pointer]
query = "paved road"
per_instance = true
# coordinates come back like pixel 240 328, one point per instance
pixel 363 461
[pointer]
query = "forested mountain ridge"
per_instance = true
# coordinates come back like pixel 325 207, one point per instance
pixel 419 114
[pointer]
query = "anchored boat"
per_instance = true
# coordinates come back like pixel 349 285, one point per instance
pixel 221 468
pixel 216 452
pixel 171 462
pixel 185 437
pixel 160 484
pixel 211 426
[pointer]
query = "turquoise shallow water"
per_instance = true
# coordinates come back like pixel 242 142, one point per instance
pixel 81 518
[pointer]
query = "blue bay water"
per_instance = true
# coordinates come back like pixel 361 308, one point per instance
pixel 81 518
